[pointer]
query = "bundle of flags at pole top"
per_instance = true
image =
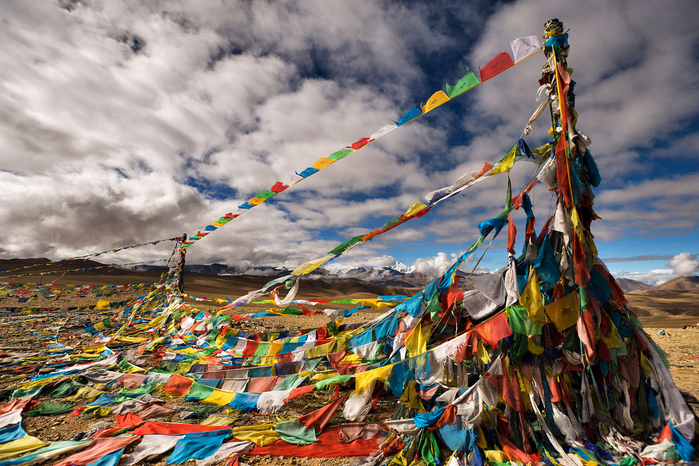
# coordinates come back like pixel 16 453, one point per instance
pixel 539 362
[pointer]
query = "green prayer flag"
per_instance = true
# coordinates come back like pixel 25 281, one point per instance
pixel 295 433
pixel 266 194
pixel 199 391
pixel 48 408
pixel 464 84
pixel 28 393
pixel 332 381
pixel 392 222
pixel 519 321
pixel 343 247
pixel 65 389
pixel 340 154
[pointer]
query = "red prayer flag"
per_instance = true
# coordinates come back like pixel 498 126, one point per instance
pixel 371 234
pixel 25 404
pixel 562 170
pixel 515 454
pixel 263 384
pixel 517 200
pixel 278 187
pixel 328 445
pixel 361 143
pixel 582 274
pixel 494 330
pixel 508 387
pixel 250 348
pixel 299 392
pixel 497 65
pixel 511 235
pixel 564 79
pixel 128 419
pixel 320 418
pixel 486 167
pixel 666 434
pixel 172 428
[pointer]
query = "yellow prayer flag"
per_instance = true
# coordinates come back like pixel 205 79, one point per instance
pixel 309 267
pixel 261 435
pixel 84 396
pixel 220 340
pixel 132 339
pixel 217 420
pixel 275 348
pixel 19 446
pixel 496 456
pixel 415 208
pixel 324 375
pixel 564 312
pixel 267 360
pixel 533 345
pixel 219 398
pixel 437 99
pixel 577 224
pixel 102 305
pixel 541 150
pixel 532 301
pixel 481 442
pixel 36 383
pixel 591 244
pixel 363 381
pixel 351 358
pixel 482 353
pixel 256 200
pixel 322 163
pixel 505 165
pixel 416 343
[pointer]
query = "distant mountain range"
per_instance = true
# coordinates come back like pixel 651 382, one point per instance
pixel 386 276
pixel 400 276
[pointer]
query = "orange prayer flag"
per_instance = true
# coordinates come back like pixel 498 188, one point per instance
pixel 178 385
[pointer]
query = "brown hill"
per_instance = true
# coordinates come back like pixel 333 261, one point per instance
pixel 688 283
pixel 665 308
pixel 632 285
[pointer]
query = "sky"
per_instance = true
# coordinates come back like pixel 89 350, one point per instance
pixel 128 122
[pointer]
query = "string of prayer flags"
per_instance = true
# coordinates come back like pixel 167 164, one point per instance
pixel 521 47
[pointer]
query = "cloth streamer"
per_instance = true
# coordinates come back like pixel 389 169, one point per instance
pixel 197 445
pixel 45 453
pixel 170 428
pixel 328 445
pixel 97 449
pixel 150 447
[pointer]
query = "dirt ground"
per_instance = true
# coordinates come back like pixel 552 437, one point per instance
pixel 682 347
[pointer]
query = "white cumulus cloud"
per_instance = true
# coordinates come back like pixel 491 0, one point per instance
pixel 685 263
